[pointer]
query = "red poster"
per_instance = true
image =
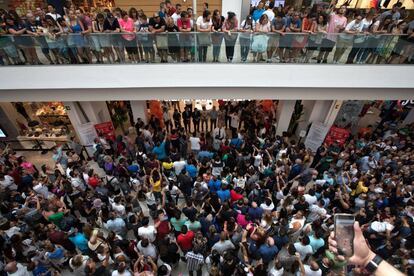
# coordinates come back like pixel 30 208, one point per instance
pixel 107 129
pixel 337 134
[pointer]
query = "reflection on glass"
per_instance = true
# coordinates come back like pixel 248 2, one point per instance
pixel 52 46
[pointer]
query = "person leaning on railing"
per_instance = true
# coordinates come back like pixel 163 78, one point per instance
pixel 230 27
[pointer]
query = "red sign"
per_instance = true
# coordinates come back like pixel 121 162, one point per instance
pixel 337 134
pixel 107 129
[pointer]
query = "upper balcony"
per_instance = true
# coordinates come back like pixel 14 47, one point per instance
pixel 207 60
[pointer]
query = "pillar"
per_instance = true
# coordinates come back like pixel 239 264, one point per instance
pixel 234 6
pixel 333 113
pixel 83 116
pixel 283 115
pixel 409 119
pixel 139 110
pixel 9 115
pixel 304 120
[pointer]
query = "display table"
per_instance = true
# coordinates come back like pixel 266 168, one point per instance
pixel 41 141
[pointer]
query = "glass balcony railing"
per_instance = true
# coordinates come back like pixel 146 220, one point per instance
pixel 128 48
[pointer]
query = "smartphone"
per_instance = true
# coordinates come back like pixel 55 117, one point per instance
pixel 344 234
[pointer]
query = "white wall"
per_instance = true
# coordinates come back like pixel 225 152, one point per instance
pixel 232 5
pixel 284 115
pixel 139 110
pixel 192 75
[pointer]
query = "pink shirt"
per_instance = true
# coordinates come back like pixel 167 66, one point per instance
pixel 335 22
pixel 127 26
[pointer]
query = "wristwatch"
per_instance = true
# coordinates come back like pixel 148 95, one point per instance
pixel 373 264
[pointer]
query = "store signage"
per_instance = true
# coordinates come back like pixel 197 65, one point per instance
pixel 407 102
pixel 316 135
pixel 337 134
pixel 107 129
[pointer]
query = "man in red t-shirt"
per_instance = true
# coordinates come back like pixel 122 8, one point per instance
pixel 185 239
pixel 184 26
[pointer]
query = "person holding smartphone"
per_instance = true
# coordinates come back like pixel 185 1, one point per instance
pixel 363 256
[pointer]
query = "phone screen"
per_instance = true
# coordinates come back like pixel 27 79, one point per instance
pixel 344 234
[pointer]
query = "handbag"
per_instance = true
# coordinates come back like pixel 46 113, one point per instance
pixel 259 43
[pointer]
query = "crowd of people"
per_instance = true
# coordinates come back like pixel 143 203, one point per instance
pixel 175 34
pixel 215 190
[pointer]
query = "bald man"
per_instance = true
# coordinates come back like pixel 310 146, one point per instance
pixel 16 269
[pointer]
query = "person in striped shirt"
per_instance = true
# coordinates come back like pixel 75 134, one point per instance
pixel 195 261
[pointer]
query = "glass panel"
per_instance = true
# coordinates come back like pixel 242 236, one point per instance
pixel 201 47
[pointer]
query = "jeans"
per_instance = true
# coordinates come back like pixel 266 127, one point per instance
pixel 199 272
pixel 217 39
pixel 213 123
pixel 356 51
pixel 230 48
pixel 202 53
pixel 204 123
pixel 244 47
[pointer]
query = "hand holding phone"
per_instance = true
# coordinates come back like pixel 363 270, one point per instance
pixel 344 234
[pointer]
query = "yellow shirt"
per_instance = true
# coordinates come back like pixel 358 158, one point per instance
pixel 156 186
pixel 359 189
pixel 167 166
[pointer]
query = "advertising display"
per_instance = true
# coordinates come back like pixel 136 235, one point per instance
pixel 337 134
pixel 107 129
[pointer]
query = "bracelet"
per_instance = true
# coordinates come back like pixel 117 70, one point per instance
pixel 373 264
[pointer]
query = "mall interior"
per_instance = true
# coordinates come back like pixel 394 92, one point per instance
pixel 206 145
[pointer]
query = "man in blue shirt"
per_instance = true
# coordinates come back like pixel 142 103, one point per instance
pixel 268 250
pixel 224 193
pixel 255 212
pixel 159 150
pixel 80 241
pixel 214 184
pixel 191 169
pixel 258 12
pixel 205 154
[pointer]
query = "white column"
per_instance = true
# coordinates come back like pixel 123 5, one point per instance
pixel 410 117
pixel 83 121
pixel 9 115
pixel 283 115
pixel 308 106
pixel 139 110
pixel 232 5
pixel 320 111
pixel 333 112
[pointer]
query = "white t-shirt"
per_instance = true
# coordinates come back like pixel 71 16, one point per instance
pixel 8 183
pixel 147 232
pixel 234 121
pixel 257 160
pixel 179 166
pixel 303 250
pixel 270 14
pixel 203 25
pixel 316 212
pixel 175 17
pixel 21 271
pixel 118 208
pixel 125 273
pixel 310 272
pixel 276 272
pixel 381 227
pixel 310 199
pixel 195 143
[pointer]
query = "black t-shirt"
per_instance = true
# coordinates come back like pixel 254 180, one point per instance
pixel 171 28
pixel 32 27
pixel 112 27
pixel 157 25
pixel 102 271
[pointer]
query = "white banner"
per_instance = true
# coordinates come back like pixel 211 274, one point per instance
pixel 316 136
pixel 87 133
